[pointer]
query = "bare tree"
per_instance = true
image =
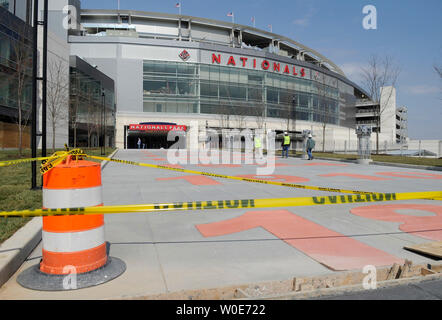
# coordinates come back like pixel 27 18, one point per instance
pixel 91 99
pixel 74 108
pixel 93 124
pixel 259 111
pixel 381 72
pixel 290 112
pixel 321 91
pixel 22 64
pixel 57 95
pixel 240 117
pixel 224 115
pixel 438 70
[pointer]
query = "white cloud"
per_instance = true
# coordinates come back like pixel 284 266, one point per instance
pixel 305 21
pixel 353 70
pixel 423 89
pixel 301 22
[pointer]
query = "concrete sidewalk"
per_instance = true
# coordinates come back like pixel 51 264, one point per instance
pixel 189 250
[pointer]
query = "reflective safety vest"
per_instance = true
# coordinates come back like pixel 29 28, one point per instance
pixel 286 140
pixel 257 142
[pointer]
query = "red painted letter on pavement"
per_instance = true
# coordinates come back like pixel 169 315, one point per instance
pixel 328 247
pixel 428 227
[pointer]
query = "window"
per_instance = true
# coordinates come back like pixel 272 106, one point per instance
pixel 209 90
pixel 206 108
pixel 186 70
pixel 285 97
pixel 4 4
pixel 171 106
pixel 304 100
pixel 149 67
pixel 224 91
pixel 276 82
pixel 149 107
pixel 214 73
pixel 255 94
pixel 224 74
pixel 238 92
pixel 272 95
pixel 186 87
pixel 256 79
pixel 302 115
pixel 204 72
pixel 234 75
pixel 243 76
pixel 183 107
pixel 315 103
pixel 159 87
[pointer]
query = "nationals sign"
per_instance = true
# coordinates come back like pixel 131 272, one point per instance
pixel 254 63
pixel 157 127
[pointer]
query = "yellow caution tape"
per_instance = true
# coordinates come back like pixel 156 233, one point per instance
pixel 14 162
pixel 227 204
pixel 292 185
pixel 48 163
pixel 57 158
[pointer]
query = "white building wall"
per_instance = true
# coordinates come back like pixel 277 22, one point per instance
pixel 388 115
pixel 58 50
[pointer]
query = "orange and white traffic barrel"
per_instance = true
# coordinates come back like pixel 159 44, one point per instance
pixel 73 243
pixel 76 241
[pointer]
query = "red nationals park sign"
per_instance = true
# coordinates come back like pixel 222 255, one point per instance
pixel 157 127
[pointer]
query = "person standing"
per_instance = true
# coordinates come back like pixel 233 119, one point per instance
pixel 285 145
pixel 139 143
pixel 258 146
pixel 310 145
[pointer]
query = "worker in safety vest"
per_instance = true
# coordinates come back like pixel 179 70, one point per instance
pixel 258 147
pixel 310 145
pixel 285 145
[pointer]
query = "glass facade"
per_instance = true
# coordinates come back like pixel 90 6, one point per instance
pixel 15 76
pixel 91 111
pixel 212 89
pixel 20 8
pixel 15 62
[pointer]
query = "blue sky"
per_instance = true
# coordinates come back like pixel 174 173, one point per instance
pixel 410 31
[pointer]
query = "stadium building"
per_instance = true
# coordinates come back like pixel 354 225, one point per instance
pixel 172 71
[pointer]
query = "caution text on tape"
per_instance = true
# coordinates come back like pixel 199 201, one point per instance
pixel 227 204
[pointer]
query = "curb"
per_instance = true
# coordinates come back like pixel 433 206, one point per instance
pixel 17 248
pixel 353 289
pixel 403 165
pixel 390 164
pixel 105 162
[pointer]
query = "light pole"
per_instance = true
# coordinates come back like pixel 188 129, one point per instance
pixel 35 79
pixel 44 82
pixel 103 123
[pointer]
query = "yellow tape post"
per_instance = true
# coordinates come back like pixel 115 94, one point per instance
pixel 292 185
pixel 227 204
